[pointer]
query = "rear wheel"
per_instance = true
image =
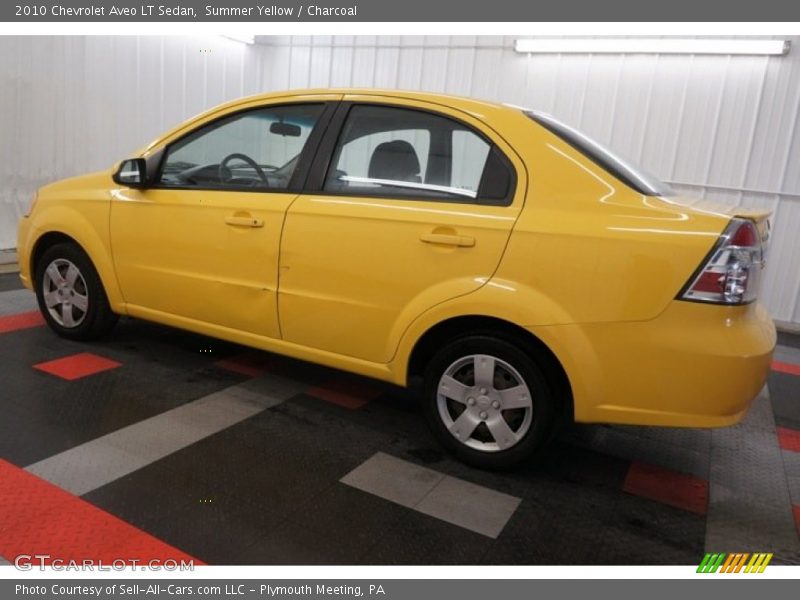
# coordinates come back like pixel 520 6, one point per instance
pixel 488 401
pixel 70 294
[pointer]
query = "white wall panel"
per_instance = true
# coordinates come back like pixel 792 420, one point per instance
pixel 724 128
pixel 69 105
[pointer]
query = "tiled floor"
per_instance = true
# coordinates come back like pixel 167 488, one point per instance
pixel 176 444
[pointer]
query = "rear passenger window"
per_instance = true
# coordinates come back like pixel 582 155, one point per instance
pixel 403 153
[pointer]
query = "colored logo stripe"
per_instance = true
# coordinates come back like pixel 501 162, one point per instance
pixel 710 563
pixel 732 559
pixel 758 563
pixel 740 564
pixel 735 562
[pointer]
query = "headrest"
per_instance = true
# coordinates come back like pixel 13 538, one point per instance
pixel 395 160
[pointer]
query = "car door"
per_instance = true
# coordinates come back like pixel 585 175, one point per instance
pixel 202 242
pixel 411 206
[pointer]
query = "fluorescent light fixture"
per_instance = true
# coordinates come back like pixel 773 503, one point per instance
pixel 651 46
pixel 245 38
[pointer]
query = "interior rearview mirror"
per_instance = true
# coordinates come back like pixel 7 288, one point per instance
pixel 132 173
pixel 285 129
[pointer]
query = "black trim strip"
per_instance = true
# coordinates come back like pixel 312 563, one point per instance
pixel 324 153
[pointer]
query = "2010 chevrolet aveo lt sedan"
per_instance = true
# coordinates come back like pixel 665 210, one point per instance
pixel 516 273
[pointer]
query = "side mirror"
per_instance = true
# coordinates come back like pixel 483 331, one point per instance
pixel 132 173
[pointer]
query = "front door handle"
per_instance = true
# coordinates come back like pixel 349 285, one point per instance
pixel 447 239
pixel 244 221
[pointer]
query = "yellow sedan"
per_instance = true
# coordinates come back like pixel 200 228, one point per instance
pixel 516 273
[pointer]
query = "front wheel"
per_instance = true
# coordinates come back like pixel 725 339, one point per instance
pixel 70 294
pixel 488 402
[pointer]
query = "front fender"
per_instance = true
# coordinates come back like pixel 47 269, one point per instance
pixel 86 222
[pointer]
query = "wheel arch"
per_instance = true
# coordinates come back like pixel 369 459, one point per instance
pixel 45 241
pixel 459 326
pixel 58 236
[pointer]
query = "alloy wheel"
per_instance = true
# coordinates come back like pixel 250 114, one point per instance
pixel 65 293
pixel 484 403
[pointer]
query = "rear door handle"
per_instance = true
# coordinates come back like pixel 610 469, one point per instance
pixel 447 239
pixel 244 221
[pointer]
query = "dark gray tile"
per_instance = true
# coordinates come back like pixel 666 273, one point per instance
pixel 293 544
pixel 352 517
pixel 789 339
pixel 546 534
pixel 10 281
pixel 784 392
pixel 418 539
pixel 217 528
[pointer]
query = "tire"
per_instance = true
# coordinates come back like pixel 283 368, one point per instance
pixel 78 307
pixel 467 415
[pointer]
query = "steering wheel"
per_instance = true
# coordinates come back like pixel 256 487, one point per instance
pixel 223 166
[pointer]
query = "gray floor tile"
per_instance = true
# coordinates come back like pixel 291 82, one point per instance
pixel 791 464
pixel 105 459
pixel 17 301
pixel 470 506
pixel 86 467
pixel 393 479
pixel 749 507
pixel 453 500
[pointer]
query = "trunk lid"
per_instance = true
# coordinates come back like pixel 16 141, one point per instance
pixel 760 216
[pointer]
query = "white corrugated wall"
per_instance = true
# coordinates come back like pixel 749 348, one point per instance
pixel 720 127
pixel 73 104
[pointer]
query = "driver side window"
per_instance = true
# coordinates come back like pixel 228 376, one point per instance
pixel 257 149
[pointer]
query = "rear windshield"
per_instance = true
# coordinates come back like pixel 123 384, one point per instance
pixel 641 181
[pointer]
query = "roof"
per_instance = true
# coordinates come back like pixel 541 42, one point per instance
pixel 477 108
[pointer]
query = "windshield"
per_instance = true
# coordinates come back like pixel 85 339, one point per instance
pixel 640 180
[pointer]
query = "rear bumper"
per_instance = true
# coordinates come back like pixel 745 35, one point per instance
pixel 696 365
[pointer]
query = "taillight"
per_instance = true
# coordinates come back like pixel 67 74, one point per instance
pixel 732 273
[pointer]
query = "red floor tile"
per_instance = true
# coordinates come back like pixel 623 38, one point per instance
pixel 668 487
pixel 789 439
pixel 36 517
pixel 77 366
pixel 349 393
pixel 784 367
pixel 252 364
pixel 21 321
